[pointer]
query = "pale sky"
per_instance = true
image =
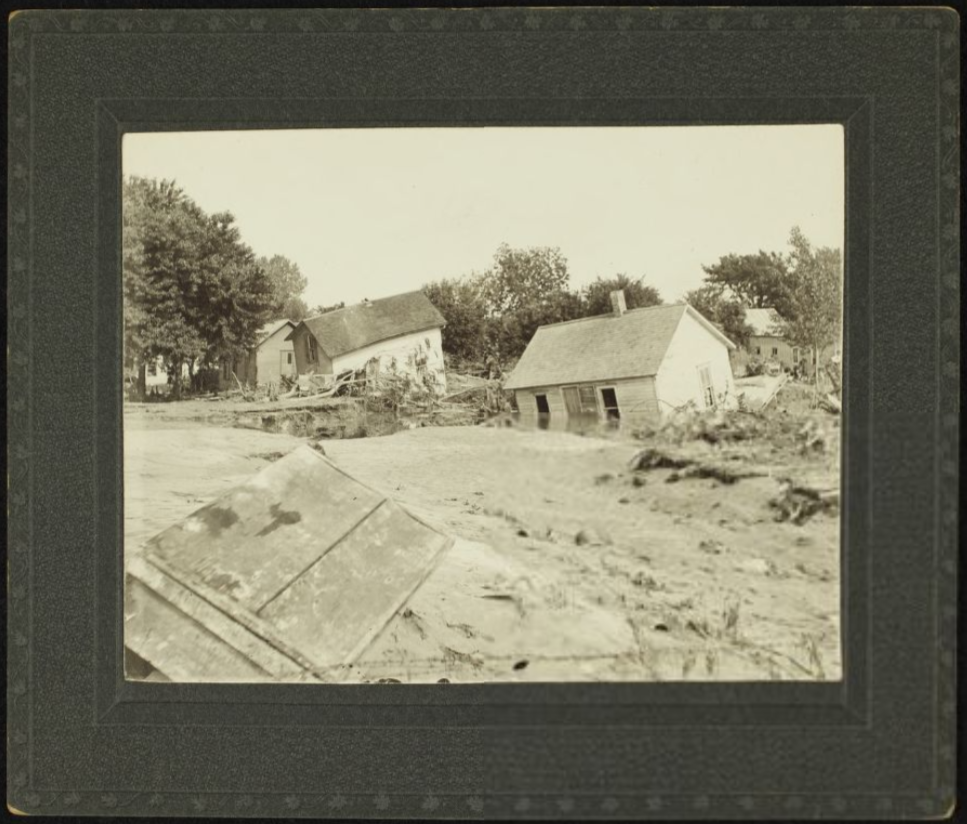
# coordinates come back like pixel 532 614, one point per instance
pixel 367 213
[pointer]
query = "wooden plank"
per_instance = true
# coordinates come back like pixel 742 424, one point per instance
pixel 223 627
pixel 179 647
pixel 243 616
pixel 337 607
pixel 250 543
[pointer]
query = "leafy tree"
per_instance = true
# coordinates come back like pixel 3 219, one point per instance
pixel 758 281
pixel 597 295
pixel 288 284
pixel 192 290
pixel 525 289
pixel 815 295
pixel 237 295
pixel 726 311
pixel 461 302
pixel 294 309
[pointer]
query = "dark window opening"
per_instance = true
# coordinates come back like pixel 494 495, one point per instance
pixel 609 400
pixel 542 407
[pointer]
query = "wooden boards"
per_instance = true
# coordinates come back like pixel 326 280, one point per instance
pixel 293 572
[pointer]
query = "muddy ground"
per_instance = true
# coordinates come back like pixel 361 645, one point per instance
pixel 701 560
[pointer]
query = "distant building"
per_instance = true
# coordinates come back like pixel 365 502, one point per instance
pixel 402 333
pixel 769 343
pixel 632 366
pixel 270 359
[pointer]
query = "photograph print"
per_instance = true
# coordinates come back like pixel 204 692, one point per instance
pixel 468 405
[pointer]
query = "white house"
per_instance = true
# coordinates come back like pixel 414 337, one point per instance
pixel 270 358
pixel 632 366
pixel 402 333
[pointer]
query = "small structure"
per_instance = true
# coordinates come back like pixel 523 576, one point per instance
pixel 267 362
pixel 629 366
pixel 401 334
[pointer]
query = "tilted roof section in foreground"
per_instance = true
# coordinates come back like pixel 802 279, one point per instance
pixel 353 327
pixel 604 347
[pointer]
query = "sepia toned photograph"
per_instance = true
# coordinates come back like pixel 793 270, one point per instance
pixel 469 405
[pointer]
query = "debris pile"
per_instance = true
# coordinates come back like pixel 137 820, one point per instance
pixel 797 503
pixel 713 427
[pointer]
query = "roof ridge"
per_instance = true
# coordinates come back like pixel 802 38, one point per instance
pixel 364 302
pixel 611 314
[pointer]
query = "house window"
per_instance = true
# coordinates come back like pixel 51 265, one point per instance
pixel 609 400
pixel 758 350
pixel 288 358
pixel 311 353
pixel 775 351
pixel 542 407
pixel 580 401
pixel 708 391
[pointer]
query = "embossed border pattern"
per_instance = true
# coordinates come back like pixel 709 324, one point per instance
pixel 24 793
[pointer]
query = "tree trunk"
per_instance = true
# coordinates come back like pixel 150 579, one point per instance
pixel 142 381
pixel 176 380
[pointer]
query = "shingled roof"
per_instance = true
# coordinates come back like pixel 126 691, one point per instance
pixel 604 347
pixel 353 327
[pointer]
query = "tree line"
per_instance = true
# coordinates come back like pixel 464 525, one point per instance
pixel 492 315
pixel 194 293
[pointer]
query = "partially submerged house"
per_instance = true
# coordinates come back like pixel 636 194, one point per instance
pixel 267 362
pixel 632 366
pixel 401 334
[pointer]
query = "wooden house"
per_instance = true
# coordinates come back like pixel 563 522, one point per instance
pixel 630 366
pixel 400 334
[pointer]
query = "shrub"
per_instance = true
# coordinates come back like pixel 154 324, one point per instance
pixel 754 368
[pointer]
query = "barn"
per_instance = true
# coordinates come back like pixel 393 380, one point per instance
pixel 631 367
pixel 401 333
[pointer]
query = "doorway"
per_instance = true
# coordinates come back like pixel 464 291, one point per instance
pixel 609 400
pixel 543 411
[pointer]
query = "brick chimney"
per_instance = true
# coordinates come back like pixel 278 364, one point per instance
pixel 618 305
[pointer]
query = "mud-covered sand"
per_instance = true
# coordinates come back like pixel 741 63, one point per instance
pixel 569 565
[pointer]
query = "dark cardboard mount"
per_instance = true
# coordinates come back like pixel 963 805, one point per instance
pixel 879 744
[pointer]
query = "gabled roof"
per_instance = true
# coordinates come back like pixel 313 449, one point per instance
pixel 270 329
pixel 604 347
pixel 353 327
pixel 765 322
